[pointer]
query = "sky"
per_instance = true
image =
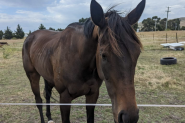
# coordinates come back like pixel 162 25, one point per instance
pixel 60 13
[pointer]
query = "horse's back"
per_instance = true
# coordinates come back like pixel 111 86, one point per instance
pixel 46 51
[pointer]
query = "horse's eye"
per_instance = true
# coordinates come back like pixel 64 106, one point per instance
pixel 104 57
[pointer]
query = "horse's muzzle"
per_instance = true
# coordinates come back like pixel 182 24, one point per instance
pixel 124 117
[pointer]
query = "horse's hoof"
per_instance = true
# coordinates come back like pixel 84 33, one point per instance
pixel 51 121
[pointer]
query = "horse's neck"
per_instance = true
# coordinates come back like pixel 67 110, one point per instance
pixel 90 48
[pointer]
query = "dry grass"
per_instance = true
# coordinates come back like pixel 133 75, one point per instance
pixel 155 84
pixel 149 72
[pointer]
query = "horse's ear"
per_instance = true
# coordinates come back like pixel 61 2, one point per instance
pixel 97 14
pixel 135 14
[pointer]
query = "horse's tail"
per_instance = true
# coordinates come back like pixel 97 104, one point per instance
pixel 46 91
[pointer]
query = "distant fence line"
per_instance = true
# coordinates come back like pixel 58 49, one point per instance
pixel 176 38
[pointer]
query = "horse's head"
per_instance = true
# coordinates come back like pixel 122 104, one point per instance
pixel 117 54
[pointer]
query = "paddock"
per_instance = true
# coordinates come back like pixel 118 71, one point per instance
pixel 155 84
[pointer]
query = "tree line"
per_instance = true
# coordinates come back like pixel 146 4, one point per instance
pixel 19 33
pixel 8 34
pixel 149 24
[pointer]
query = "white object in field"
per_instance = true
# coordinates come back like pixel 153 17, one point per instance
pixel 166 44
pixel 182 42
pixel 176 44
pixel 172 45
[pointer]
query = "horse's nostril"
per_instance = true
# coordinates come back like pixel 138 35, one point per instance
pixel 122 117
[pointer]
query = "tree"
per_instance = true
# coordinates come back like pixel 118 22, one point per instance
pixel 41 27
pixel 51 29
pixel 148 24
pixel 162 24
pixel 156 17
pixel 156 20
pixel 59 29
pixel 19 34
pixel 8 34
pixel 174 24
pixel 1 34
pixel 183 28
pixel 82 20
pixel 135 26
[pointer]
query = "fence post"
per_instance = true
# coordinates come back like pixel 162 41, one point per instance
pixel 166 37
pixel 176 37
pixel 153 36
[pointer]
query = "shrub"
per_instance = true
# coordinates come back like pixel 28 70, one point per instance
pixel 19 34
pixel 8 34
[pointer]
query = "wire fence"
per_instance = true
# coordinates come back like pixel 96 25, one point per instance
pixel 78 104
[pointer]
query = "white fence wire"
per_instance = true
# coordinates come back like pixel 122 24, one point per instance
pixel 79 104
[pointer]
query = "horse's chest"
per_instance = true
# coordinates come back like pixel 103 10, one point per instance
pixel 82 88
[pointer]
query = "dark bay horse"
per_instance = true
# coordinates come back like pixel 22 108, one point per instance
pixel 77 60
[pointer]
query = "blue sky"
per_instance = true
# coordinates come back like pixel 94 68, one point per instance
pixel 59 13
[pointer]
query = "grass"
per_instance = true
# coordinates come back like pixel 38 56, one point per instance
pixel 154 84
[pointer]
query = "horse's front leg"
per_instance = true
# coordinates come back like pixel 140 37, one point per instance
pixel 91 99
pixel 65 110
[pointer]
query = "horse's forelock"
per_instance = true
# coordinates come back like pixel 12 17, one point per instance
pixel 119 32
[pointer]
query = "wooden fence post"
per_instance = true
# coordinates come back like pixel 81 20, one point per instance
pixel 166 37
pixel 176 37
pixel 153 36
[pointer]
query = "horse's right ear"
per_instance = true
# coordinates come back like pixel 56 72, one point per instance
pixel 97 14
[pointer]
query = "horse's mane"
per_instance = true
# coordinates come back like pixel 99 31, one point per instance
pixel 118 29
pixel 88 27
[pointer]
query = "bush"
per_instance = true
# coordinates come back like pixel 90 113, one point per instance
pixel 167 30
pixel 8 34
pixel 51 29
pixel 59 29
pixel 19 34
pixel 41 27
pixel 183 28
pixel 7 52
pixel 1 34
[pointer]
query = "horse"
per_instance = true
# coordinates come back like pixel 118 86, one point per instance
pixel 77 60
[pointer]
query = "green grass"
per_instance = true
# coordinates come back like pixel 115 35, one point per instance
pixel 154 84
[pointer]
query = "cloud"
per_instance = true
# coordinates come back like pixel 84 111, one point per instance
pixel 24 3
pixel 25 18
pixel 69 11
pixel 59 13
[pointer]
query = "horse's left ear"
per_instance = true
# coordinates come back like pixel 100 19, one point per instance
pixel 97 14
pixel 135 14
